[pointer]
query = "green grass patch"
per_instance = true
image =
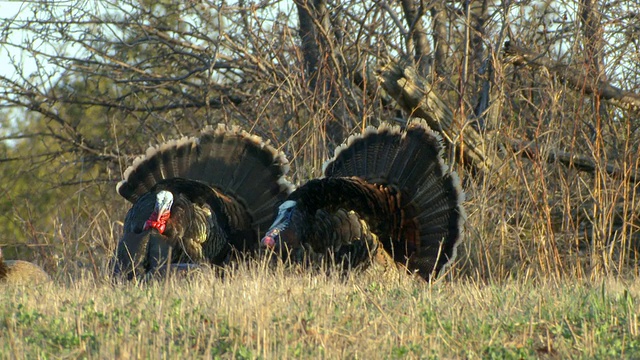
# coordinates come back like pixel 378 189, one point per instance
pixel 254 314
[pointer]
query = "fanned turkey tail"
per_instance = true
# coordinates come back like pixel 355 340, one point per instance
pixel 431 197
pixel 229 159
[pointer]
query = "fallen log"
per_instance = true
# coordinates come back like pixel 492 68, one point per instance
pixel 419 99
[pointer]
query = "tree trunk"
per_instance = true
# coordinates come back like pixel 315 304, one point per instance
pixel 417 37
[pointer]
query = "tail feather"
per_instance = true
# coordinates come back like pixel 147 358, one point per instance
pixel 421 158
pixel 366 155
pixel 239 164
pixel 162 162
pixel 219 149
pixel 433 199
pixel 184 156
pixel 264 207
pixel 254 170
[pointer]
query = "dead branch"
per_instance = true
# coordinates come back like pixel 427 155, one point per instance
pixel 578 162
pixel 417 97
pixel 574 78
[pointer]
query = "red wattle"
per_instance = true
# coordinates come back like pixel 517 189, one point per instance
pixel 268 242
pixel 158 223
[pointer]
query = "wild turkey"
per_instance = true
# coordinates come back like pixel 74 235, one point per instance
pixel 198 199
pixel 387 187
pixel 20 272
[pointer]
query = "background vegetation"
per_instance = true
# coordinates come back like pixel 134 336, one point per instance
pixel 94 83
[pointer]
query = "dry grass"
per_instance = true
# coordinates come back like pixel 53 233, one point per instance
pixel 547 269
pixel 253 312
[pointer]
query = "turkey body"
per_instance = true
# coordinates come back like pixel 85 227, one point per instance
pixel 197 200
pixel 386 190
pixel 18 272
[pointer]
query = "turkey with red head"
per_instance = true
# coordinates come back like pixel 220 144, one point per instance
pixel 198 199
pixel 386 189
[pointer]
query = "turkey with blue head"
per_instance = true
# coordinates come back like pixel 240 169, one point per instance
pixel 386 194
pixel 199 200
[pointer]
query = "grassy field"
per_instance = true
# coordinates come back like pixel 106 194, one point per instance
pixel 257 313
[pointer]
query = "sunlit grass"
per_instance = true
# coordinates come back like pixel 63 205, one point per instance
pixel 255 313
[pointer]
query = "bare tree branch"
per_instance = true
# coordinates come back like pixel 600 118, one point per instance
pixel 416 97
pixel 574 78
pixel 419 43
